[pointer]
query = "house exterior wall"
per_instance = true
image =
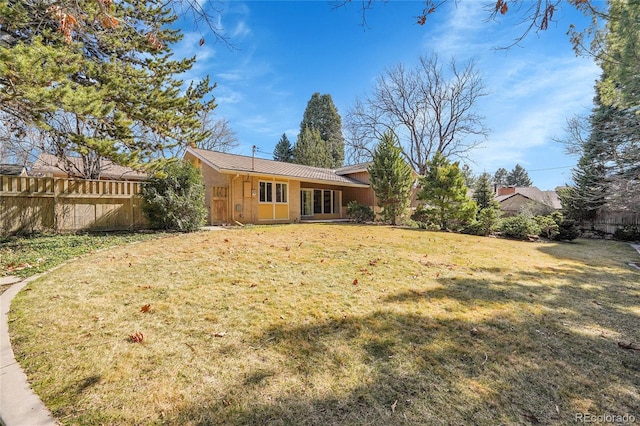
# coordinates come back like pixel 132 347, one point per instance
pixel 512 205
pixel 212 179
pixel 235 198
pixel 247 208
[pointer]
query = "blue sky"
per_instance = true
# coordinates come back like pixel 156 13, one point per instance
pixel 286 51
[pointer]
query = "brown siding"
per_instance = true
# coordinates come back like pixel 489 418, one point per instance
pixel 512 205
pixel 212 179
pixel 360 176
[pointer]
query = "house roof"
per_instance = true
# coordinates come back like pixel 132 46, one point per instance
pixel 48 163
pixel 233 163
pixel 11 169
pixel 354 168
pixel 548 198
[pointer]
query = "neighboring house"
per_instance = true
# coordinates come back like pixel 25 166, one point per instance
pixel 48 165
pixel 12 170
pixel 514 199
pixel 253 190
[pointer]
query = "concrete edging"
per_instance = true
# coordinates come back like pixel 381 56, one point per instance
pixel 19 405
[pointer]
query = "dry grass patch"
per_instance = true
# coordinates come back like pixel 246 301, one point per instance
pixel 334 324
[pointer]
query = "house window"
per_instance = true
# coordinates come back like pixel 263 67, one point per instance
pixel 317 201
pixel 306 202
pixel 281 192
pixel 266 192
pixel 325 201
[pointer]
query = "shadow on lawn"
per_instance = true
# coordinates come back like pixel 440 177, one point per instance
pixel 539 365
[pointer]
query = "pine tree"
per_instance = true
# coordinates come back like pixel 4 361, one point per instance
pixel 469 177
pixel 322 114
pixel 483 192
pixel 445 194
pixel 310 149
pixel 586 196
pixel 283 150
pixel 518 176
pixel 390 178
pixel 500 177
pixel 97 78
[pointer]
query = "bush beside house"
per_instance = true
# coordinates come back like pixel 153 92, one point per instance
pixel 174 199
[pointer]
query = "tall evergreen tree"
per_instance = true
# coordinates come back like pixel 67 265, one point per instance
pixel 619 55
pixel 518 176
pixel 97 79
pixel 469 177
pixel 310 149
pixel 596 177
pixel 445 194
pixel 390 178
pixel 283 150
pixel 322 114
pixel 500 177
pixel 483 192
pixel 619 89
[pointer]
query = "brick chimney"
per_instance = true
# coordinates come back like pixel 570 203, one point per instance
pixel 506 190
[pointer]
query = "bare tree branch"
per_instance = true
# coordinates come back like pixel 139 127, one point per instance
pixel 429 110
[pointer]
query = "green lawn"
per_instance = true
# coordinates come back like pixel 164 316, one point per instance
pixel 335 324
pixel 27 256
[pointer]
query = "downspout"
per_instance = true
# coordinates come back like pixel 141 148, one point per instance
pixel 233 210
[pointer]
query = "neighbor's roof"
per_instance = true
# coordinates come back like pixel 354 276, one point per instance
pixel 11 169
pixel 48 163
pixel 549 198
pixel 232 163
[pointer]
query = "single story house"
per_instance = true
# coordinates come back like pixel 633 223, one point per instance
pixel 514 199
pixel 245 189
pixel 48 165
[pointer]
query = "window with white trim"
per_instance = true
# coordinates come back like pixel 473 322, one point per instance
pixel 326 201
pixel 266 192
pixel 268 189
pixel 281 192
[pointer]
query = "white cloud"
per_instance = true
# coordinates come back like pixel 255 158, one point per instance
pixel 240 31
pixel 231 76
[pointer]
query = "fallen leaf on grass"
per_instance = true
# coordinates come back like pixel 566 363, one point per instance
pixel 146 308
pixel 17 267
pixel 137 337
pixel 355 282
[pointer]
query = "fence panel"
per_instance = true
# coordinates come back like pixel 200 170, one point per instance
pixel 609 221
pixel 30 204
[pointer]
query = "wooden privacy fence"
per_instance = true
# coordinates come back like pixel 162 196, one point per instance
pixel 608 221
pixel 31 204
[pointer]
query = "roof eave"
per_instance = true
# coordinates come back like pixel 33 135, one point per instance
pixel 302 179
pixel 201 158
